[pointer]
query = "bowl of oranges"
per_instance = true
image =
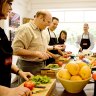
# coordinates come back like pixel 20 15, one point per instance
pixel 74 77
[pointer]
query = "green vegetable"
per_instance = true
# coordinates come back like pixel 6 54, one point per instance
pixel 40 79
pixel 53 66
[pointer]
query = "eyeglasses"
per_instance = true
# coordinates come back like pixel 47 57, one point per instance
pixel 47 21
pixel 9 3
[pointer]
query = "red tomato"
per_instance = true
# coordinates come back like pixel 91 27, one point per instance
pixel 60 63
pixel 65 56
pixel 81 57
pixel 69 52
pixel 94 63
pixel 29 85
pixel 94 75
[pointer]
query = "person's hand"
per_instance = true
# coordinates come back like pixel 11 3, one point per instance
pixel 52 55
pixel 56 57
pixel 60 47
pixel 19 91
pixel 25 75
pixel 64 46
pixel 43 55
pixel 80 50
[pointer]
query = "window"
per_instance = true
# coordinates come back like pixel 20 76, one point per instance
pixel 90 16
pixel 72 21
pixel 59 15
pixel 74 16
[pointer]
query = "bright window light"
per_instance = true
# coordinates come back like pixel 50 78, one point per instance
pixel 74 16
pixel 72 21
pixel 90 16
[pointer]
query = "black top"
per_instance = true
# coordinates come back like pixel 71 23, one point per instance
pixel 53 41
pixel 61 41
pixel 5 59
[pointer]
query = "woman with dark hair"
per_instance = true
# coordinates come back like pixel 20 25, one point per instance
pixel 62 37
pixel 6 59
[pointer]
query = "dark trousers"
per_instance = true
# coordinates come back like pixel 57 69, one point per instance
pixel 28 66
pixel 50 61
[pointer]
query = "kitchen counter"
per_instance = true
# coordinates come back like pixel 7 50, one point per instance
pixel 59 90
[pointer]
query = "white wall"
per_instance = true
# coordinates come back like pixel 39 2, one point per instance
pixel 19 6
pixel 58 4
pixel 27 8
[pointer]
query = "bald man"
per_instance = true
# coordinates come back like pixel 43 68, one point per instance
pixel 29 43
pixel 86 40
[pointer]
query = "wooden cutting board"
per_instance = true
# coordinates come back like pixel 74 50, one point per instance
pixel 47 91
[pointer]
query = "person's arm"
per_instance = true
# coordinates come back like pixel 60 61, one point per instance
pixel 52 55
pixel 17 91
pixel 50 47
pixel 21 43
pixel 27 53
pixel 18 49
pixel 91 42
pixel 25 75
pixel 60 52
pixel 24 52
pixel 78 42
pixel 56 47
pixel 4 90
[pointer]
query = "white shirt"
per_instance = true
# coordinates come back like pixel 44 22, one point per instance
pixel 46 35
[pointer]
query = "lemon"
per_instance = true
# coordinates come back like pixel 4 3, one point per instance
pixel 85 72
pixel 76 78
pixel 64 74
pixel 81 64
pixel 73 68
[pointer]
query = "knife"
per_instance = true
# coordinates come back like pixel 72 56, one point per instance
pixel 45 69
pixel 38 91
pixel 39 86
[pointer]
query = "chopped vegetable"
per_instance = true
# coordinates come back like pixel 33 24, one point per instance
pixel 40 79
pixel 53 66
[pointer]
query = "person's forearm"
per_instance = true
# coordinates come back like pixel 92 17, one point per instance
pixel 15 69
pixel 78 42
pixel 3 91
pixel 60 52
pixel 92 46
pixel 24 52
pixel 50 47
pixel 78 45
pixel 51 54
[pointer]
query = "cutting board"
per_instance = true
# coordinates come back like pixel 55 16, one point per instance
pixel 47 91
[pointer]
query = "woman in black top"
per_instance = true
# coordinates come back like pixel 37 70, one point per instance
pixel 6 59
pixel 62 37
